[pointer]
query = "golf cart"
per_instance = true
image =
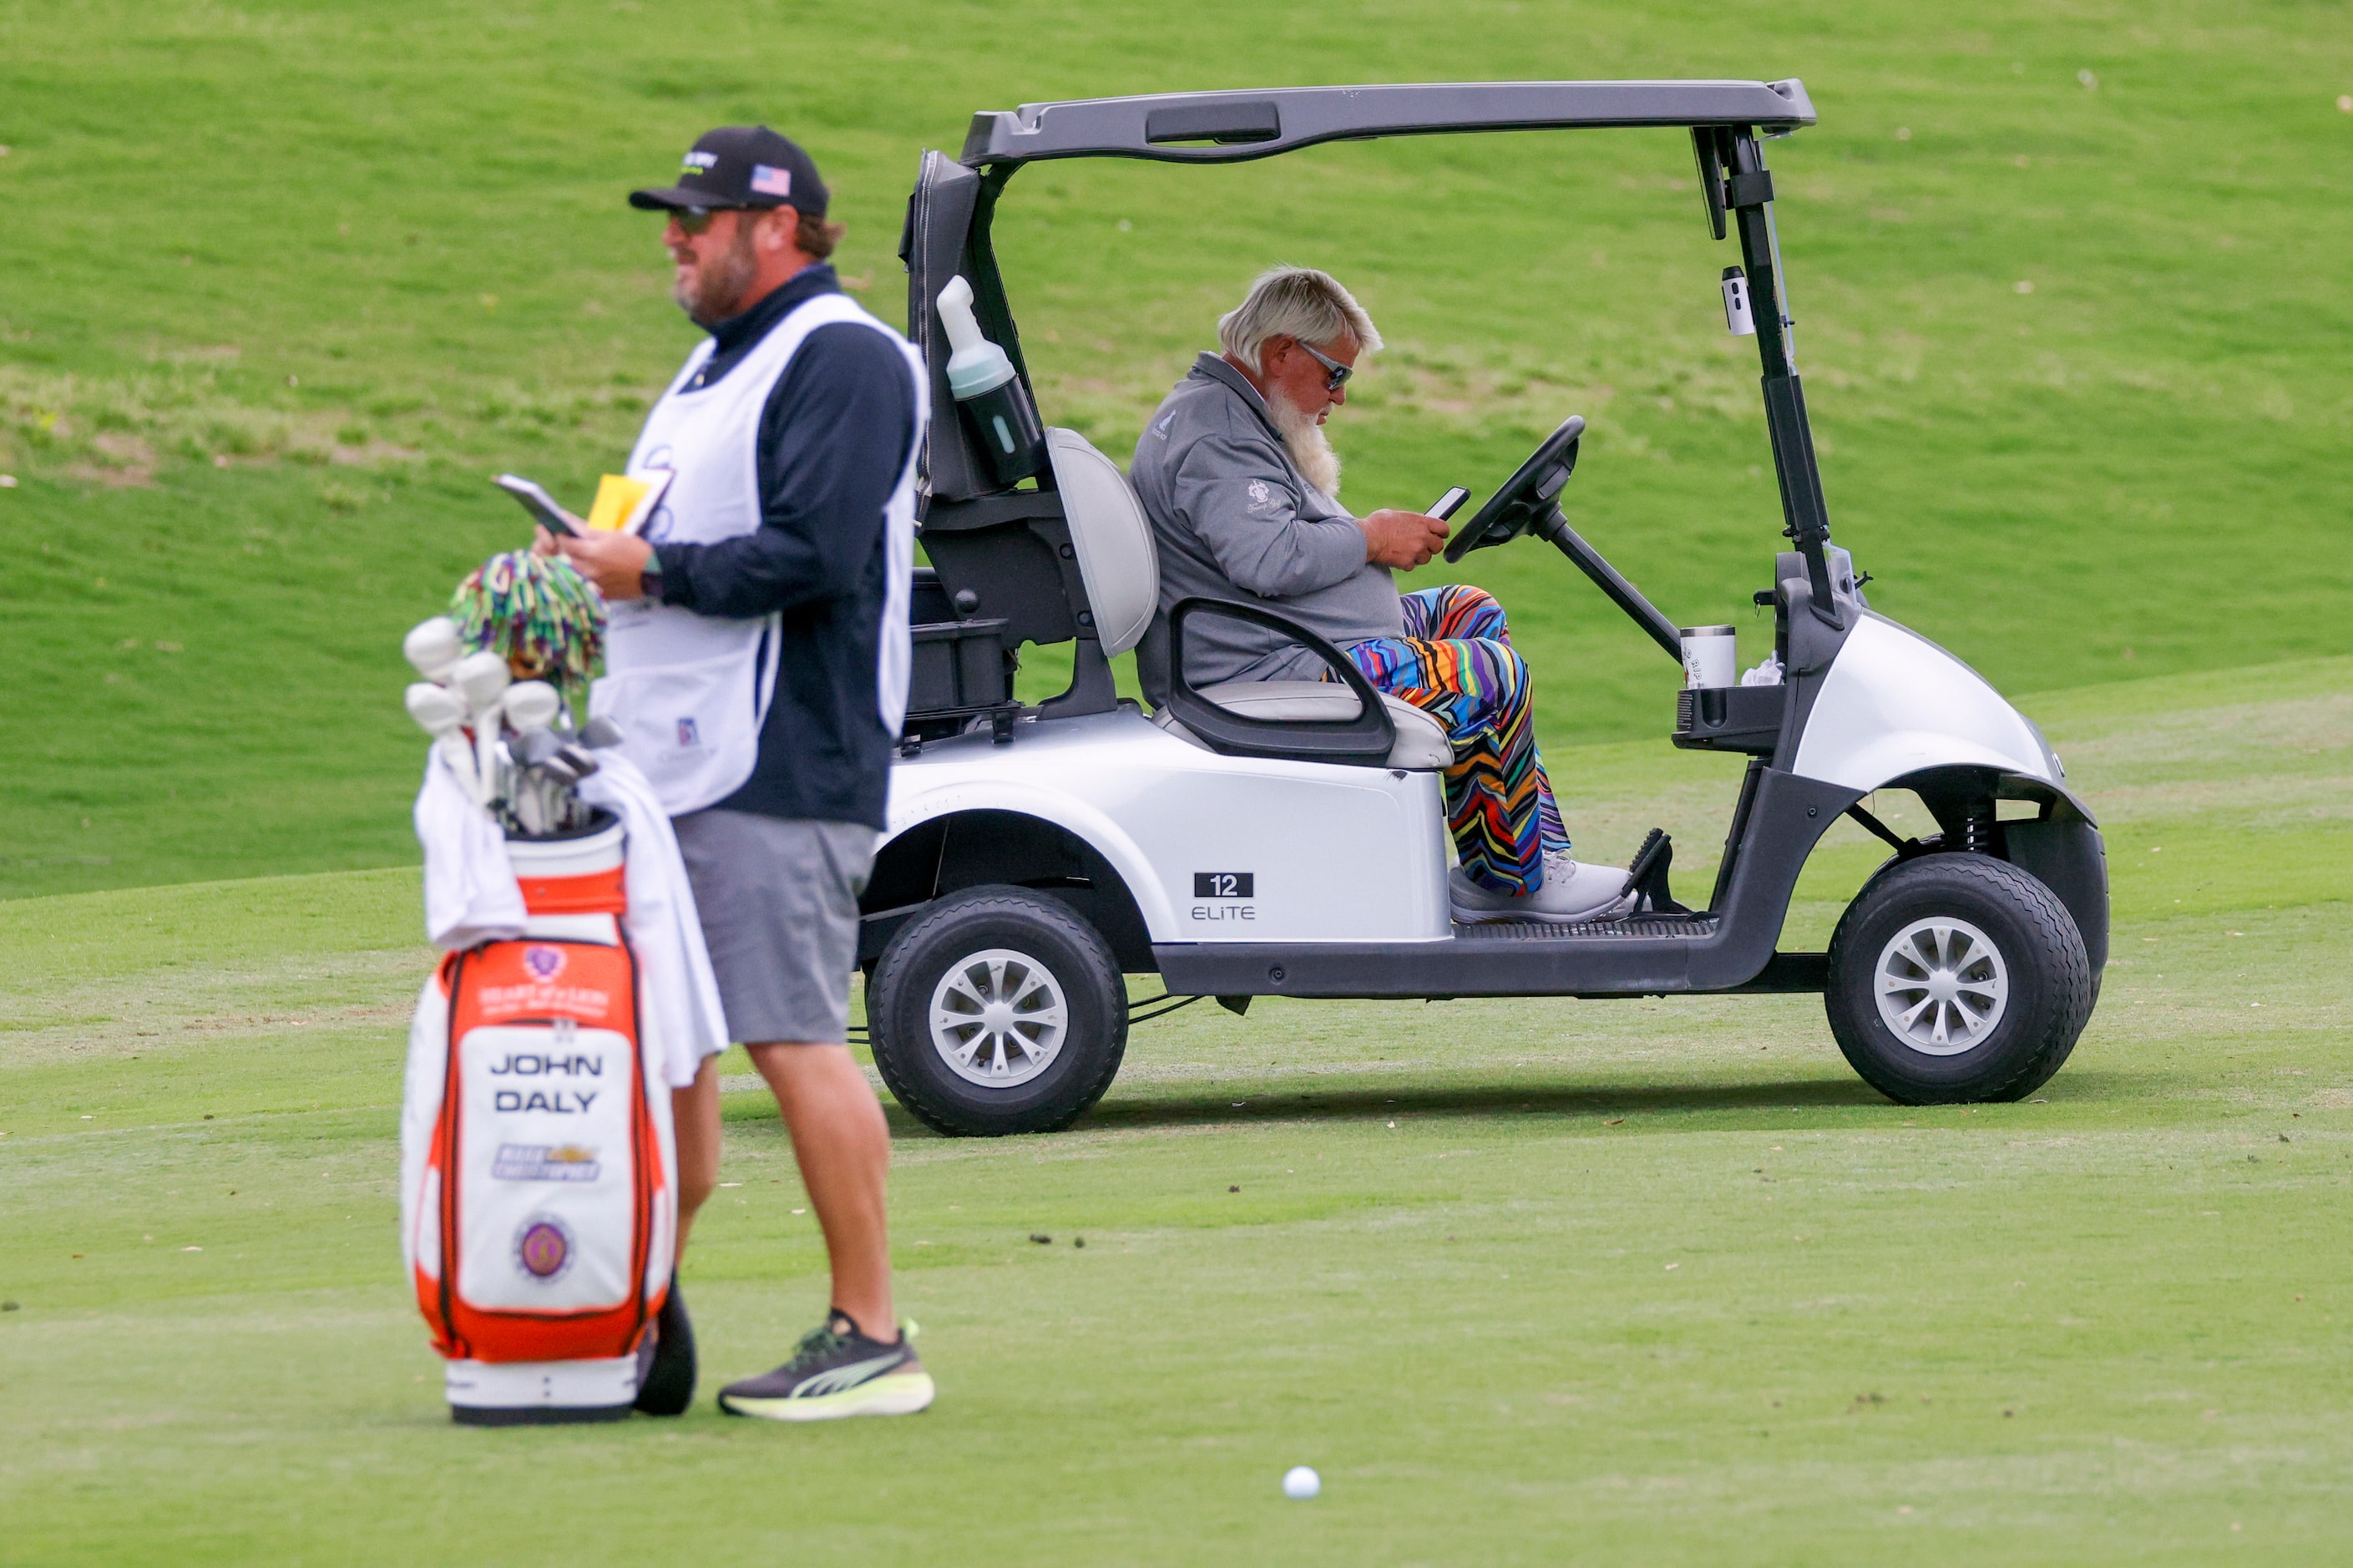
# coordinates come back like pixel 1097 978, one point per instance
pixel 1288 838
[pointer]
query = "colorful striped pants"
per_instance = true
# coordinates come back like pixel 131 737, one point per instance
pixel 1456 662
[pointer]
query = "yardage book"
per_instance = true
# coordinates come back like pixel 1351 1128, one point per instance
pixel 623 504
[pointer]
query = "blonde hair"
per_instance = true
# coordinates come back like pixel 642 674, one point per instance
pixel 1298 303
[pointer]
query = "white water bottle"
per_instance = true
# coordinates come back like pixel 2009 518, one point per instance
pixel 999 417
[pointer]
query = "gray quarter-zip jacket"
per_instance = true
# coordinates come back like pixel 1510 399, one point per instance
pixel 1234 518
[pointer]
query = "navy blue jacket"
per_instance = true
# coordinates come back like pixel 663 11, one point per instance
pixel 834 437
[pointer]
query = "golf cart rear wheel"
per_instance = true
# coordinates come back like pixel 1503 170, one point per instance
pixel 1957 978
pixel 997 1010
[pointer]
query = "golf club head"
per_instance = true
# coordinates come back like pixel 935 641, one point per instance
pixel 583 764
pixel 531 706
pixel 599 733
pixel 526 808
pixel 499 771
pixel 481 678
pixel 533 747
pixel 559 806
pixel 436 710
pixel 434 646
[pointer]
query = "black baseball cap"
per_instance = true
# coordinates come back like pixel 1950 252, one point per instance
pixel 741 166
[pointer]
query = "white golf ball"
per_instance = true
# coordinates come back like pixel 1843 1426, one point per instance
pixel 1300 1483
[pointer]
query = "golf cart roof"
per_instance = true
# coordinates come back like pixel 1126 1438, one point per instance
pixel 1230 127
pixel 952 208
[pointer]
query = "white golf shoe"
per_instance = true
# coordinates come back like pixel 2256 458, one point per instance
pixel 1570 893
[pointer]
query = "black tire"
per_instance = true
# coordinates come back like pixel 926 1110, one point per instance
pixel 948 940
pixel 2038 966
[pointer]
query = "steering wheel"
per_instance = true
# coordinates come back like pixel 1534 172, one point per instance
pixel 1526 498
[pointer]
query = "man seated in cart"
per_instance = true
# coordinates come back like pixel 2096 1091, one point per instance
pixel 1239 483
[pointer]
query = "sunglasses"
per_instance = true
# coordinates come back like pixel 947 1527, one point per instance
pixel 1339 373
pixel 692 221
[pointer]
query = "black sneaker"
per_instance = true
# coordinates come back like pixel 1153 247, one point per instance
pixel 837 1372
pixel 666 1360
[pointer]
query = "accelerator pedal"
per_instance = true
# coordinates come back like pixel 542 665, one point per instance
pixel 1646 877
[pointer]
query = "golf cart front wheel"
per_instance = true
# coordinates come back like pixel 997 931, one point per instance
pixel 997 1010
pixel 1957 978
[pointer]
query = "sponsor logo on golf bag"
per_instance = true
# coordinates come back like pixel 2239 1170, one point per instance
pixel 538 1163
pixel 543 1247
pixel 544 1222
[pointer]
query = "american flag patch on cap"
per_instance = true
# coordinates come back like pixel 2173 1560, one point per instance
pixel 768 181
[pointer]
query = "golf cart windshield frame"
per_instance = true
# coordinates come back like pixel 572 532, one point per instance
pixel 951 213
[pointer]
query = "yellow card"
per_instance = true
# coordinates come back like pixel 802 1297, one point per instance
pixel 617 502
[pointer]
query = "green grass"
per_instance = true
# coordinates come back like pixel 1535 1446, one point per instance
pixel 1526 1281
pixel 365 254
pixel 1646 1282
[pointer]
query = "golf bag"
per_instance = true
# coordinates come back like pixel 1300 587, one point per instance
pixel 544 1217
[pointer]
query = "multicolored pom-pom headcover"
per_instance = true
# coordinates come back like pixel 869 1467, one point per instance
pixel 541 614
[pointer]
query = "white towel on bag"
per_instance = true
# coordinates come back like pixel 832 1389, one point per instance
pixel 471 898
pixel 680 995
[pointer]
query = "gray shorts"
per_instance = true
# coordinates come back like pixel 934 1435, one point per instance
pixel 778 900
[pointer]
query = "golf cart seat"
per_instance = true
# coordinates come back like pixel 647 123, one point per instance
pixel 1421 741
pixel 1118 564
pixel 1121 569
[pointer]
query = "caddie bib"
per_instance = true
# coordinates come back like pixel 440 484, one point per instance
pixel 691 691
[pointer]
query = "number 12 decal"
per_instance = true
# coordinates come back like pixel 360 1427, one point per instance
pixel 1225 884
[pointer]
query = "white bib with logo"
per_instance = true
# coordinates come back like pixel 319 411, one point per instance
pixel 689 691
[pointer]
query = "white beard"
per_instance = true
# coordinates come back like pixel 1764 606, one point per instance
pixel 1306 441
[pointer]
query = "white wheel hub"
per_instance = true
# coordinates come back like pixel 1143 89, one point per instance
pixel 998 1018
pixel 1941 984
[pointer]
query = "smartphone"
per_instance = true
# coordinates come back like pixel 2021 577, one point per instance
pixel 542 505
pixel 1449 503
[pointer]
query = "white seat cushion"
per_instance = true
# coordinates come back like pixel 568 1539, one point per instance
pixel 1421 741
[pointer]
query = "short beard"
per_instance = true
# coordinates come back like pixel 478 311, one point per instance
pixel 721 283
pixel 1303 439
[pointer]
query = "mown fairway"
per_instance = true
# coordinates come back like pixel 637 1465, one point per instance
pixel 1527 1283
pixel 366 256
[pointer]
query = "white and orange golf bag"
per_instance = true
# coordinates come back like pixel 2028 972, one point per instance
pixel 539 1176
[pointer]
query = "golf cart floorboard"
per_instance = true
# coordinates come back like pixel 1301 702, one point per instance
pixel 1651 956
pixel 1543 931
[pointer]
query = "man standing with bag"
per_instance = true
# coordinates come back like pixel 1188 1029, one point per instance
pixel 757 661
